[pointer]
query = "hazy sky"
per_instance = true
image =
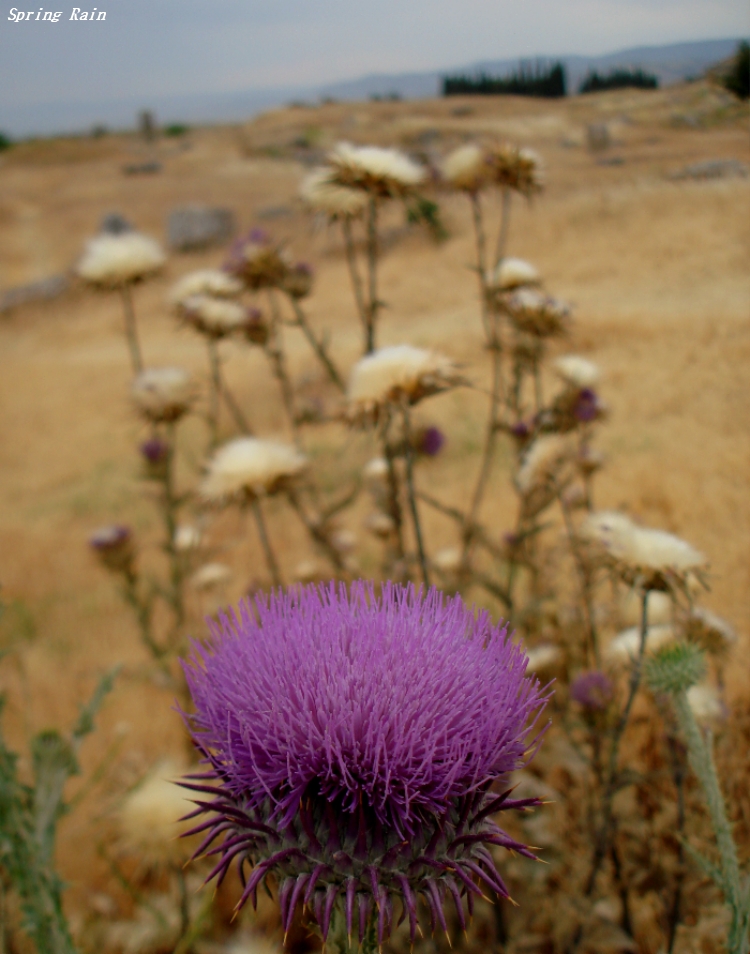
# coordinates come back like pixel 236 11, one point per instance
pixel 170 47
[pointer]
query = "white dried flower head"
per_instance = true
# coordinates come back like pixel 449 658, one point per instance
pixel 659 608
pixel 536 313
pixel 658 550
pixel 608 529
pixel 381 173
pixel 625 646
pixel 310 571
pixel 333 200
pixel 187 537
pixel 466 168
pixel 115 260
pixel 149 818
pixel 250 467
pixel 518 169
pixel 514 273
pixel 375 471
pixel 709 631
pixel 343 540
pixel 448 559
pixel 163 394
pixel 205 281
pixel 576 371
pixel 544 658
pixel 395 374
pixel 543 460
pixel 210 575
pixel 214 317
pixel 380 524
pixel 707 704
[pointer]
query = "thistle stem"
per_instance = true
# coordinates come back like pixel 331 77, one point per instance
pixel 131 329
pixel 394 490
pixel 351 261
pixel 170 509
pixel 502 238
pixel 584 577
pixel 275 351
pixel 318 346
pixel 409 460
pixel 481 247
pixel 316 528
pixel 373 305
pixel 271 562
pixel 215 395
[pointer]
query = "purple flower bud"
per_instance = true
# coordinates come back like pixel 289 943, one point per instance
pixel 114 547
pixel 586 407
pixel 592 690
pixel 351 742
pixel 520 429
pixel 155 450
pixel 429 441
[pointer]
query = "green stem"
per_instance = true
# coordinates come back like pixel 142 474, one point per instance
pixel 318 346
pixel 275 351
pixel 502 238
pixel 215 395
pixel 373 305
pixel 271 562
pixel 351 261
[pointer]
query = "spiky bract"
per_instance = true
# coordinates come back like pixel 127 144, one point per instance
pixel 675 668
pixel 352 742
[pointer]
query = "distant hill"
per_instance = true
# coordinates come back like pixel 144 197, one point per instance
pixel 670 64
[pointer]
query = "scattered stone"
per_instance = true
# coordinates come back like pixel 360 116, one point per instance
pixel 142 168
pixel 611 161
pixel 195 227
pixel 271 212
pixel 712 169
pixel 114 224
pixel 44 290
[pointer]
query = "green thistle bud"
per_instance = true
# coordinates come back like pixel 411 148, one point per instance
pixel 675 668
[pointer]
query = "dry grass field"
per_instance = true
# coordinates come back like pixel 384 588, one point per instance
pixel 656 268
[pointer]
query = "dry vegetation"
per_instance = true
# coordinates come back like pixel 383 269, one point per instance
pixel 656 271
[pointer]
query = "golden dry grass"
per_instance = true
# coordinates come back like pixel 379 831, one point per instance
pixel 657 271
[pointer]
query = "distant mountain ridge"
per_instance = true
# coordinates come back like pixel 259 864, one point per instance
pixel 670 63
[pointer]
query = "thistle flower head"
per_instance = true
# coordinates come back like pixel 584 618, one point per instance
pixel 148 818
pixel 115 260
pixel 113 545
pixel 257 261
pixel 517 169
pixel 187 537
pixel 544 658
pixel 380 173
pixel 536 313
pixel 514 273
pixel 626 645
pixel 709 631
pixel 394 374
pixel 155 453
pixel 706 703
pixel 428 441
pixel 542 461
pixel 215 317
pixel 298 280
pixel 330 199
pixel 204 281
pixel 340 759
pixel 576 371
pixel 210 575
pixel 163 394
pixel 675 668
pixel 467 168
pixel 592 690
pixel 250 467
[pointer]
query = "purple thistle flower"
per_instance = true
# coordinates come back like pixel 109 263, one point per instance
pixel 352 744
pixel 592 690
pixel 155 450
pixel 114 547
pixel 430 441
pixel 587 406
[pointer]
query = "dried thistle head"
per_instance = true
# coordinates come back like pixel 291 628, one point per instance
pixel 467 168
pixel 710 632
pixel 163 395
pixel 326 197
pixel 213 317
pixel 250 467
pixel 149 819
pixel 545 659
pixel 514 273
pixel 380 173
pixel 112 261
pixel 544 470
pixel 516 168
pixel 576 372
pixel 625 646
pixel 535 313
pixel 706 704
pixel 204 281
pixel 340 762
pixel 155 453
pixel 395 374
pixel 210 575
pixel 257 261
pixel 187 538
pixel 114 547
pixel 298 280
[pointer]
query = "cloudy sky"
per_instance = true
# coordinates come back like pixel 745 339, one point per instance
pixel 172 47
